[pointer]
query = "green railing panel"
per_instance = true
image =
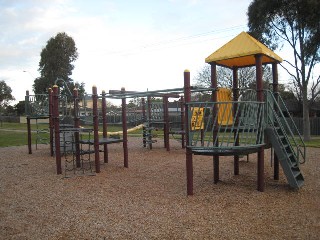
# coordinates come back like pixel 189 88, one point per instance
pixel 276 119
pixel 37 105
pixel 274 116
pixel 208 128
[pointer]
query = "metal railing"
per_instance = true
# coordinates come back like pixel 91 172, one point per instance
pixel 276 119
pixel 225 125
pixel 37 105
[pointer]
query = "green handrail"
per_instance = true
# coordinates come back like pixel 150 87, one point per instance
pixel 277 112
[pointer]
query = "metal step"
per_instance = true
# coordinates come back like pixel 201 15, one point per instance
pixel 288 161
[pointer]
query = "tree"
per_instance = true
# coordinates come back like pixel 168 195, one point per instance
pixel 20 108
pixel 9 111
pixel 246 77
pixel 296 23
pixel 5 95
pixel 56 63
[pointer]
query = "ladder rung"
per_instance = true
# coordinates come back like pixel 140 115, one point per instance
pixel 296 173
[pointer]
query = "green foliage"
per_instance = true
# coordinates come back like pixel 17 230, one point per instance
pixel 5 95
pixel 56 63
pixel 296 23
pixel 246 77
pixel 20 108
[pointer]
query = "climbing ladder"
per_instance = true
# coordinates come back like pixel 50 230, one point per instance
pixel 290 151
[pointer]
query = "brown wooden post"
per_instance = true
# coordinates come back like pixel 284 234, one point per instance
pixel 149 119
pixel 260 181
pixel 27 107
pixel 105 126
pixel 143 102
pixel 29 135
pixel 235 106
pixel 55 112
pixel 276 95
pixel 189 161
pixel 182 111
pixel 76 122
pixel 51 121
pixel 124 129
pixel 95 128
pixel 166 122
pixel 214 98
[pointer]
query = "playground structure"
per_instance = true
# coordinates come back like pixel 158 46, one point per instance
pixel 67 138
pixel 156 116
pixel 37 108
pixel 96 142
pixel 229 124
pixel 242 127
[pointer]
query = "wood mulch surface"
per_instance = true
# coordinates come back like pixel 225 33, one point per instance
pixel 148 200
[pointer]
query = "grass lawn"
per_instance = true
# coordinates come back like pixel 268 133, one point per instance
pixel 15 134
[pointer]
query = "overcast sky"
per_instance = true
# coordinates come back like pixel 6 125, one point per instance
pixel 139 45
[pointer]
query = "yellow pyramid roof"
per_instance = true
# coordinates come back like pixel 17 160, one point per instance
pixel 240 51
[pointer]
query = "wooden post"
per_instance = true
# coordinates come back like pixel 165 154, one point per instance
pixel 260 181
pixel 51 121
pixel 96 128
pixel 235 106
pixel 182 122
pixel 189 161
pixel 104 124
pixel 27 106
pixel 166 122
pixel 149 122
pixel 76 122
pixel 214 98
pixel 55 113
pixel 276 95
pixel 124 129
pixel 143 120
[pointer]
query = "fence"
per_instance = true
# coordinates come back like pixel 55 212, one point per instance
pixel 314 125
pixel 314 122
pixel 10 119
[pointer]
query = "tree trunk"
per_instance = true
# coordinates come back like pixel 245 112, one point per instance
pixel 306 119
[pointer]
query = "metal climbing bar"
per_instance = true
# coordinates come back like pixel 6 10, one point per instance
pixel 225 128
pixel 116 94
